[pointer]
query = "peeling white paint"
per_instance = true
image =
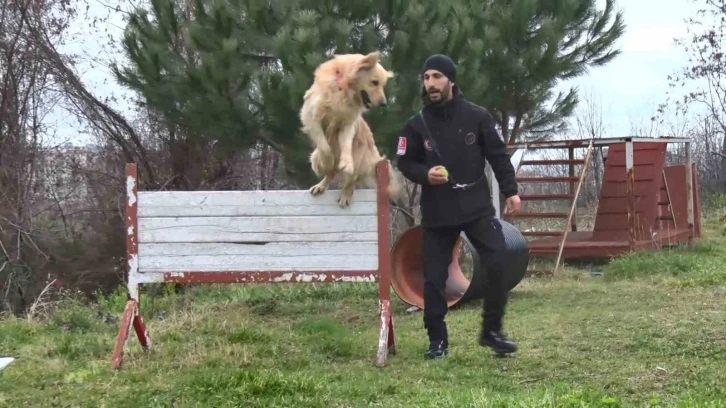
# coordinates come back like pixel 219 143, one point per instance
pixel 176 274
pixel 133 289
pixel 130 230
pixel 133 264
pixel 133 286
pixel 309 278
pixel 130 184
pixel 148 278
pixel 383 333
pixel 369 278
pixel 136 278
pixel 322 277
pixel 286 277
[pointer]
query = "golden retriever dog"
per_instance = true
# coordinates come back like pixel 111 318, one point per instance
pixel 344 88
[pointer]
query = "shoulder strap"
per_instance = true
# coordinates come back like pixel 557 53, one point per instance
pixel 427 135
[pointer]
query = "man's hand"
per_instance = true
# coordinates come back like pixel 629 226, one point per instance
pixel 513 204
pixel 437 176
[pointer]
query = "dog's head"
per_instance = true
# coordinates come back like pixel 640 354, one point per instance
pixel 368 79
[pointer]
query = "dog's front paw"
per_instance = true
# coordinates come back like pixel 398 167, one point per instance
pixel 346 165
pixel 344 199
pixel 318 189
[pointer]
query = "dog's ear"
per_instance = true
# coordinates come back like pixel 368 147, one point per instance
pixel 390 74
pixel 369 61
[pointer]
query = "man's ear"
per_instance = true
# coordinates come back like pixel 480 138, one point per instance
pixel 369 61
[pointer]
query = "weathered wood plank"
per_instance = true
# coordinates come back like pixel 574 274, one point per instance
pixel 252 203
pixel 268 276
pixel 251 211
pixel 270 249
pixel 257 229
pixel 212 263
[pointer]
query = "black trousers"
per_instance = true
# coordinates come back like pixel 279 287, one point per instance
pixel 486 236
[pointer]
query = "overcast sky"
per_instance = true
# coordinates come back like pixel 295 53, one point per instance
pixel 628 89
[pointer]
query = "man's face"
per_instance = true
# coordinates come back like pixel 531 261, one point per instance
pixel 437 85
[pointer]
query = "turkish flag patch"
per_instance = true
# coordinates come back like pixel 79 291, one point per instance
pixel 401 146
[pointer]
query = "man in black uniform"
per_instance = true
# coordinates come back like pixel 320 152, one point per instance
pixel 444 148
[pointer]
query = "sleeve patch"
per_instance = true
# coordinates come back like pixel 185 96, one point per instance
pixel 401 146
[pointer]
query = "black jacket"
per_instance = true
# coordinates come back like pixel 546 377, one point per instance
pixel 465 135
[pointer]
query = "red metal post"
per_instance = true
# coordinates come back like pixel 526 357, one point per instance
pixel 689 190
pixel 696 202
pixel 571 173
pixel 132 249
pixel 386 339
pixel 572 213
pixel 630 174
pixel 132 312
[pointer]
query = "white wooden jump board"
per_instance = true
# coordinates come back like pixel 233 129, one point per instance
pixel 219 231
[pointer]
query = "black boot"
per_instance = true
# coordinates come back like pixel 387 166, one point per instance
pixel 498 342
pixel 437 349
pixel 438 342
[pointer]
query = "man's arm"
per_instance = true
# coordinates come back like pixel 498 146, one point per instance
pixel 495 151
pixel 411 156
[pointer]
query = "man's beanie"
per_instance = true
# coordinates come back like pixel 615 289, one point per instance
pixel 441 63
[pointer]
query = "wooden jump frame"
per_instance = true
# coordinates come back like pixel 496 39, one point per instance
pixel 255 237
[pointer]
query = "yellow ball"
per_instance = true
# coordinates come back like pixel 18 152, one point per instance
pixel 443 171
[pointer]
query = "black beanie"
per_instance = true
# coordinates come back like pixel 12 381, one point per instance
pixel 441 63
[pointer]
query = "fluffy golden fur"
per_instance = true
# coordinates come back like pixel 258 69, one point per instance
pixel 343 88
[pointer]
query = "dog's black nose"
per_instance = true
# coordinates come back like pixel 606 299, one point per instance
pixel 384 103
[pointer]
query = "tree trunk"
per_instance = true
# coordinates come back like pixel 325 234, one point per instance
pixel 722 170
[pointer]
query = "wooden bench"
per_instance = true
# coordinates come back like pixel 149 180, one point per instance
pixel 255 237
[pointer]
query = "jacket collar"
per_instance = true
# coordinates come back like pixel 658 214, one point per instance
pixel 443 110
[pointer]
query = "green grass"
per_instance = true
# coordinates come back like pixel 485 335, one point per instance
pixel 650 332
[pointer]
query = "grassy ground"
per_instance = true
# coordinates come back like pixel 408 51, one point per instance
pixel 651 331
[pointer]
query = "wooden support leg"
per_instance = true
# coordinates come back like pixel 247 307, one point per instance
pixel 132 313
pixel 131 318
pixel 386 337
pixel 123 334
pixel 141 333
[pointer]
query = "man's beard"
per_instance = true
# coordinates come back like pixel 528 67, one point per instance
pixel 443 95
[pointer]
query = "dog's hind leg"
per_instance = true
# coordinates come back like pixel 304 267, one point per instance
pixel 345 139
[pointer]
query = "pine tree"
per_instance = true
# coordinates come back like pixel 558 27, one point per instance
pixel 199 72
pixel 533 44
